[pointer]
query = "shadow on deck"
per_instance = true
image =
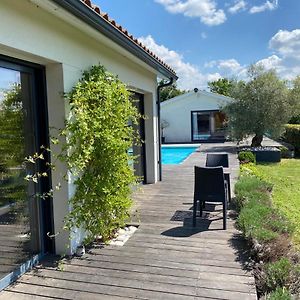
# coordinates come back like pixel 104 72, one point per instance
pixel 166 258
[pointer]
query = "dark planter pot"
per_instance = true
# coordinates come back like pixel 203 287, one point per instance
pixel 163 139
pixel 267 155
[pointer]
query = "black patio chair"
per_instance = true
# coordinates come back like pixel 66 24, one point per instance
pixel 220 159
pixel 209 186
pixel 217 159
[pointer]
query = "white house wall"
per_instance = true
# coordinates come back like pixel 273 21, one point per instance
pixel 30 33
pixel 177 113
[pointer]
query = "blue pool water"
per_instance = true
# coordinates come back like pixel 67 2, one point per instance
pixel 176 155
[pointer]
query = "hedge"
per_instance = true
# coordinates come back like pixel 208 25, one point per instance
pixel 292 135
pixel 246 157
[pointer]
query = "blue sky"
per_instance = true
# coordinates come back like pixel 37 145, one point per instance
pixel 208 39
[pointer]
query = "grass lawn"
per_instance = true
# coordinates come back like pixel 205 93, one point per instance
pixel 286 192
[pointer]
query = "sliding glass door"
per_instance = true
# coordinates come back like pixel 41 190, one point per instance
pixel 208 125
pixel 22 132
pixel 201 128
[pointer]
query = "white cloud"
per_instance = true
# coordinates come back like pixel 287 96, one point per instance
pixel 276 63
pixel 189 75
pixel 287 43
pixel 206 10
pixel 228 68
pixel 286 60
pixel 271 62
pixel 239 5
pixel 268 5
pixel 231 65
pixel 286 68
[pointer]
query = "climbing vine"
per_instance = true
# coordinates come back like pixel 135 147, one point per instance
pixel 98 136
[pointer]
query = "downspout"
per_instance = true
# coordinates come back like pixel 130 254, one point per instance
pixel 159 127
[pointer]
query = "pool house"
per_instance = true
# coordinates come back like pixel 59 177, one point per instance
pixel 194 117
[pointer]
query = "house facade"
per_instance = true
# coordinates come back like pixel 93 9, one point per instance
pixel 44 47
pixel 193 117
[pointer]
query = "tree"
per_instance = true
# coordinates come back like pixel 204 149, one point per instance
pixel 262 105
pixel 295 95
pixel 222 86
pixel 170 91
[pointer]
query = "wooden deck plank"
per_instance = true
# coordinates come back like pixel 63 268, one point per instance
pixel 166 258
pixel 85 274
pixel 180 259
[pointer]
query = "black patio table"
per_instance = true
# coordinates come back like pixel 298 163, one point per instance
pixel 227 178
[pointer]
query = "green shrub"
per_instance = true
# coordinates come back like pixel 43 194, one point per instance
pixel 246 157
pixel 278 273
pixel 96 152
pixel 295 120
pixel 284 152
pixel 269 233
pixel 252 220
pixel 280 294
pixel 292 135
pixel 251 187
pixel 257 218
pixel 250 169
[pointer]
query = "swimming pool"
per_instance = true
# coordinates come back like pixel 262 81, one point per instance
pixel 174 155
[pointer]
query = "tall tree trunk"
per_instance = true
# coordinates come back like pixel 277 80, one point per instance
pixel 256 141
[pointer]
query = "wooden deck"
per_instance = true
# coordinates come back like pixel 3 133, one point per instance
pixel 166 258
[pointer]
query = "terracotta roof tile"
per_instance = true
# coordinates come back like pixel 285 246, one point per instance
pixel 113 23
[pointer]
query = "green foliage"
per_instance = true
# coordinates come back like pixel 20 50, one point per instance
pixel 222 86
pixel 251 169
pixel 246 157
pixel 280 294
pixel 252 221
pixel 11 128
pixel 292 135
pixel 98 138
pixel 295 97
pixel 278 273
pixel 262 105
pixel 170 91
pixel 257 219
pixel 12 149
pixel 284 152
pixel 249 186
pixel 295 120
pixel 268 227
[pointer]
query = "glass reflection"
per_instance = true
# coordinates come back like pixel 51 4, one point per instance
pixel 15 234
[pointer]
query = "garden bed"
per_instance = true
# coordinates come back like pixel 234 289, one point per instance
pixel 276 263
pixel 264 154
pixel 286 192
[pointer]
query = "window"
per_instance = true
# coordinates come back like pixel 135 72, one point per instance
pixel 207 125
pixel 23 129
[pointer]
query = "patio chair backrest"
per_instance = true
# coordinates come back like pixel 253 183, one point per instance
pixel 209 184
pixel 216 160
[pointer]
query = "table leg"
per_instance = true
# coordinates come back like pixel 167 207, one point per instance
pixel 227 178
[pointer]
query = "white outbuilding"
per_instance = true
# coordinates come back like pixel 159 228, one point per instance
pixel 193 117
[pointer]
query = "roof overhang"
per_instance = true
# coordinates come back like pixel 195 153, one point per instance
pixel 90 17
pixel 191 94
